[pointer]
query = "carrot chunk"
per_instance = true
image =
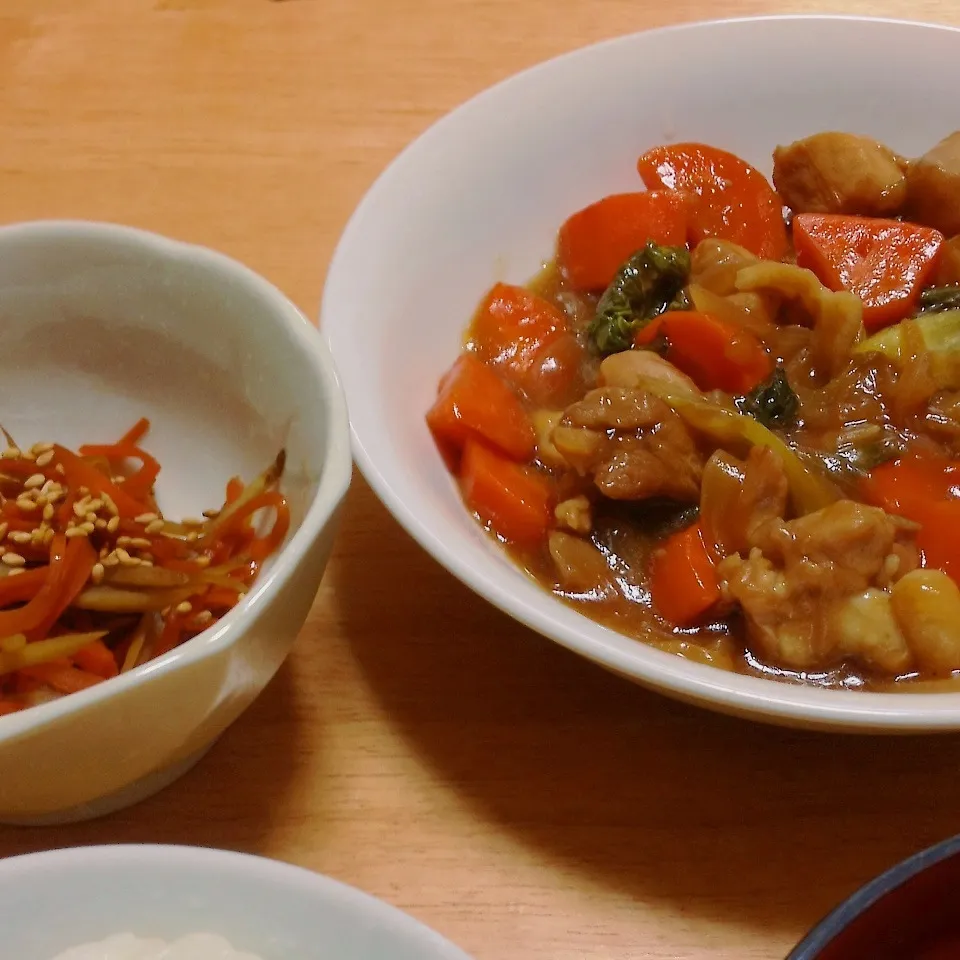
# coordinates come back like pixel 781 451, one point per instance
pixel 886 263
pixel 733 201
pixel 683 579
pixel 594 243
pixel 514 500
pixel 473 401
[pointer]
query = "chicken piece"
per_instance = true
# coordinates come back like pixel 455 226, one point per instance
pixel 933 187
pixel 544 422
pixel 796 585
pixel 927 607
pixel 638 368
pixel 575 514
pixel 863 627
pixel 839 173
pixel 581 567
pixel 632 445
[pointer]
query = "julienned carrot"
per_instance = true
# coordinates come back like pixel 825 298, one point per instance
pixel 683 579
pixel 62 676
pixel 98 659
pixel 139 484
pixel 734 201
pixel 515 500
pixel 715 354
pixel 474 402
pixel 594 243
pixel 527 340
pixel 886 263
pixel 79 473
pixel 137 432
pixel 923 488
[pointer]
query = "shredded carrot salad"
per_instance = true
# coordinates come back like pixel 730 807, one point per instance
pixel 95 581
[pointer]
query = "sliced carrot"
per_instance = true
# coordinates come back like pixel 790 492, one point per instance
pixel 73 561
pixel 594 243
pixel 79 473
pixel 527 340
pixel 515 500
pixel 715 354
pixel 473 401
pixel 137 432
pixel 926 489
pixel 23 587
pixel 886 263
pixel 235 487
pixel 98 659
pixel 683 579
pixel 62 676
pixel 734 201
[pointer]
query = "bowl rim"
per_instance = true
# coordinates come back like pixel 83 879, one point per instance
pixel 759 698
pixel 197 859
pixel 872 892
pixel 335 472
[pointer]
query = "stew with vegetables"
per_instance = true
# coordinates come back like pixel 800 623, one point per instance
pixel 725 419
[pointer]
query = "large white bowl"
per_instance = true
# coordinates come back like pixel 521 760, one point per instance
pixel 99 325
pixel 479 198
pixel 52 901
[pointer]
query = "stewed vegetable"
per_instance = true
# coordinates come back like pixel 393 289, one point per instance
pixel 726 419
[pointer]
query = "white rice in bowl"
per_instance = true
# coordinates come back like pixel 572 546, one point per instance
pixel 125 946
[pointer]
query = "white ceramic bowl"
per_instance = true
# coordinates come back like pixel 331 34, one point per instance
pixel 479 198
pixel 102 324
pixel 52 901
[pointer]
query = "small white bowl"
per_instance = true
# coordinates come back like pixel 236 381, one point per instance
pixel 52 901
pixel 479 198
pixel 100 325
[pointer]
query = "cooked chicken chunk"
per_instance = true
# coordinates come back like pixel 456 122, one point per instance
pixel 575 514
pixel 632 445
pixel 839 173
pixel 933 187
pixel 797 584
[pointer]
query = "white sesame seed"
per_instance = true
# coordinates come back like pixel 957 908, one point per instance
pixel 12 559
pixel 34 480
pixel 185 607
pixel 101 524
pixel 202 561
pixel 27 506
pixel 44 459
pixel 203 618
pixel 94 505
pixel 192 522
pixel 11 453
pixel 60 469
pixel 39 448
pixel 111 559
pixel 154 526
pixel 72 532
pixel 90 517
pixel 48 535
pixel 145 562
pixel 80 508
pixel 110 505
pixel 15 570
pixel 125 558
pixel 146 518
pixel 96 574
pixel 87 527
pixel 4 527
pixel 113 524
pixel 21 536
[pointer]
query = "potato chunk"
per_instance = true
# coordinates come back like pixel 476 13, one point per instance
pixel 926 604
pixel 933 187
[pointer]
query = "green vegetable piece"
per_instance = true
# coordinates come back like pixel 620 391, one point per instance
pixel 644 287
pixel 938 299
pixel 772 402
pixel 940 331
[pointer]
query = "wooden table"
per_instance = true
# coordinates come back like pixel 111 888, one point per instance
pixel 419 744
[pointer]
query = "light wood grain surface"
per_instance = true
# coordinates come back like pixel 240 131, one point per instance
pixel 419 744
